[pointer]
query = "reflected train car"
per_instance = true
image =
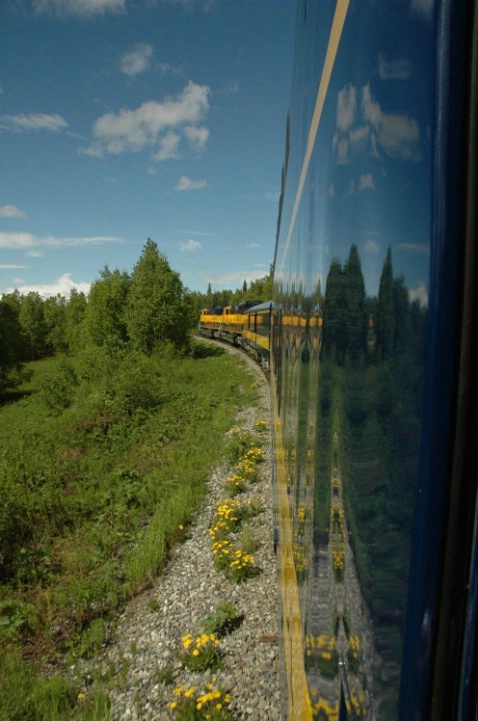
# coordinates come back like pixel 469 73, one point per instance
pixel 373 355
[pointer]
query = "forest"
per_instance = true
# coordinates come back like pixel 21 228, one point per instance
pixel 141 311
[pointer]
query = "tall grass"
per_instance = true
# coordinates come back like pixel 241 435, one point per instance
pixel 103 459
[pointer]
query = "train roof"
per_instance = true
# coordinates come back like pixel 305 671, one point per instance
pixel 268 305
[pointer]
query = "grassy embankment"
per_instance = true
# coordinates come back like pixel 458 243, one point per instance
pixel 103 459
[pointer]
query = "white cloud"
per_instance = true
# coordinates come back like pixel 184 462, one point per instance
pixel 397 135
pixel 11 211
pixel 190 245
pixel 195 232
pixel 186 183
pixel 414 248
pixel 366 128
pixel 11 266
pixel 346 107
pixel 137 60
pixel 133 130
pixel 197 137
pixel 420 293
pixel 253 245
pixel 366 181
pixel 231 89
pixel 396 68
pixel 27 241
pixel 32 121
pixel 168 147
pixel 237 277
pixel 371 246
pixel 422 7
pixel 64 285
pixel 80 8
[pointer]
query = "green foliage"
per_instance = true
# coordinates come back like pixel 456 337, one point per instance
pixel 105 321
pixel 165 675
pixel 55 309
pixel 32 321
pixel 158 306
pixel 12 343
pixel 202 653
pixel 25 697
pixel 239 443
pixel 75 314
pixel 222 620
pixel 93 496
pixel 58 390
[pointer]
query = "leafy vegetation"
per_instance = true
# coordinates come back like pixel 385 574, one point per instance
pixel 116 418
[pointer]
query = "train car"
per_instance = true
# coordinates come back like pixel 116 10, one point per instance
pixel 210 321
pixel 226 323
pixel 373 355
pixel 256 332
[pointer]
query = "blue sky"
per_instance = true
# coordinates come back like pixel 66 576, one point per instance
pixel 127 119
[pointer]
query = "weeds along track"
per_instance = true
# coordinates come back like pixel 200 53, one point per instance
pixel 207 630
pixel 237 350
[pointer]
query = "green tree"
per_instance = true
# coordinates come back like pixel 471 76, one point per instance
pixel 335 318
pixel 54 309
pixel 385 326
pixel 357 314
pixel 75 313
pixel 12 344
pixel 32 321
pixel 105 320
pixel 159 308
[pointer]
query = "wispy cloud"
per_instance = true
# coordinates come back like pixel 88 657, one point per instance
pixel 195 232
pixel 80 8
pixel 371 246
pixel 64 285
pixel 168 147
pixel 422 7
pixel 32 121
pixel 366 182
pixel 150 124
pixel 137 60
pixel 27 241
pixel 11 211
pixel 11 266
pixel 237 277
pixel 419 293
pixel 186 183
pixel 362 126
pixel 414 248
pixel 396 68
pixel 231 89
pixel 190 245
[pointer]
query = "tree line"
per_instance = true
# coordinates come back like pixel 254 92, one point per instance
pixel 144 310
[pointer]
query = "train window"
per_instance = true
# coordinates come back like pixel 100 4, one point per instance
pixel 368 279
